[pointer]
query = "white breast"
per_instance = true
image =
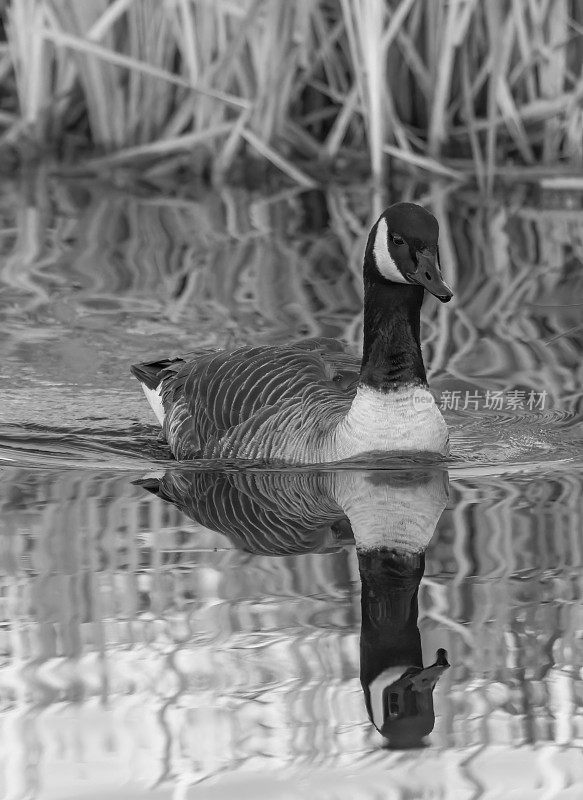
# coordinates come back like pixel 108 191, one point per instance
pixel 391 514
pixel 407 419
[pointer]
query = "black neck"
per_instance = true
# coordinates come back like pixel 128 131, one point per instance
pixel 391 355
pixel 389 632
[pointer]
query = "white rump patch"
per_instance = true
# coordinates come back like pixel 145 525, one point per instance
pixel 385 264
pixel 155 400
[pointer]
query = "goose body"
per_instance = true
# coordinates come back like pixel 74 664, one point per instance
pixel 312 402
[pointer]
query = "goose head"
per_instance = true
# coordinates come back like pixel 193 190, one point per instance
pixel 402 249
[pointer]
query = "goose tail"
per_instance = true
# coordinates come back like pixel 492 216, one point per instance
pixel 150 374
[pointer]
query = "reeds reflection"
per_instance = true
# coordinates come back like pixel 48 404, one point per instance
pixel 140 646
pixel 93 275
pixel 392 516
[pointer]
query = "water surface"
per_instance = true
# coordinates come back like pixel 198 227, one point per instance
pixel 144 654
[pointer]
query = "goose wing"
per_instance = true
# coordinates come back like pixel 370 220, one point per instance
pixel 344 364
pixel 210 393
pixel 263 513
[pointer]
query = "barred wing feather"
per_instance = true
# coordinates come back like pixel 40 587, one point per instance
pixel 270 514
pixel 252 401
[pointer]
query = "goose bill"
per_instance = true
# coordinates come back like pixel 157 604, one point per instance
pixel 428 275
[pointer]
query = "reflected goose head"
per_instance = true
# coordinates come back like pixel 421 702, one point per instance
pixel 402 249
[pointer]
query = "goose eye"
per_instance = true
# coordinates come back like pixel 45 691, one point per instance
pixel 398 240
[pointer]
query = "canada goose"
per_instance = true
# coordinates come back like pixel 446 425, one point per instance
pixel 288 403
pixel 392 516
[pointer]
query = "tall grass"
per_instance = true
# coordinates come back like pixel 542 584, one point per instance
pixel 454 87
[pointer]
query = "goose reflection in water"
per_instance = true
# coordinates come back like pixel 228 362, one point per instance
pixel 398 691
pixel 392 516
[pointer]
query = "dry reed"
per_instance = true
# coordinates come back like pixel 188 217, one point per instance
pixel 453 87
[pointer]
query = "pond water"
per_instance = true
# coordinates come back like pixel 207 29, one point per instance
pixel 235 641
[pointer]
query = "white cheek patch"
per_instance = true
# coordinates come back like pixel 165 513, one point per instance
pixel 377 688
pixel 385 264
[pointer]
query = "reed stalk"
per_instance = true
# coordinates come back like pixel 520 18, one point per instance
pixel 410 83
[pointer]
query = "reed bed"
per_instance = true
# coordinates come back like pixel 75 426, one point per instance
pixel 459 88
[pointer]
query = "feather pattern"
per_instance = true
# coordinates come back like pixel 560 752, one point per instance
pixel 263 513
pixel 281 512
pixel 270 402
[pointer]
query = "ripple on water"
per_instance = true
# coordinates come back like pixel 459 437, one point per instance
pixel 516 443
pixel 142 649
